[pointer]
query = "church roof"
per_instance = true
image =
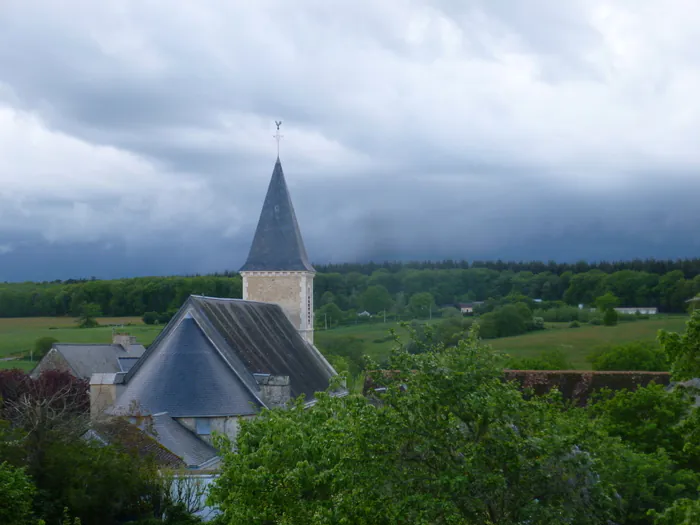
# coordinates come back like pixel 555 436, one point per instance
pixel 203 362
pixel 277 245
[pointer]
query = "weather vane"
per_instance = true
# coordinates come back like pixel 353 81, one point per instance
pixel 278 136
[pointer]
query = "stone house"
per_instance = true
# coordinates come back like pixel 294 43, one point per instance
pixel 84 360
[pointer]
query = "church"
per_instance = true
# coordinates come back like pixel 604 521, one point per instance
pixel 221 360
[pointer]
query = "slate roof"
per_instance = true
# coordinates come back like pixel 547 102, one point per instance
pixel 182 442
pixel 185 376
pixel 277 245
pixel 117 431
pixel 88 359
pixel 203 362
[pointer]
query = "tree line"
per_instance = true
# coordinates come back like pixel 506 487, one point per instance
pixel 418 289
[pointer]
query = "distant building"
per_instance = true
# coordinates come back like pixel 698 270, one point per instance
pixel 642 310
pixel 84 360
pixel 468 308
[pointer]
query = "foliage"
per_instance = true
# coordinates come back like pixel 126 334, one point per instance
pixel 505 321
pixel 607 302
pixel 89 312
pixel 610 317
pixel 421 304
pixel 683 350
pixel 637 355
pixel 42 346
pixel 574 324
pixel 150 318
pixel 649 419
pixel 684 511
pixel 447 442
pixel 554 359
pixel 329 313
pixel 375 298
pixel 16 496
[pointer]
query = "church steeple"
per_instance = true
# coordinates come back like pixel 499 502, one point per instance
pixel 277 245
pixel 278 269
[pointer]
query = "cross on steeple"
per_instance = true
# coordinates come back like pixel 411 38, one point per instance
pixel 278 136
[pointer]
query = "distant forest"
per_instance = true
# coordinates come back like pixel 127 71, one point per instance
pixel 381 286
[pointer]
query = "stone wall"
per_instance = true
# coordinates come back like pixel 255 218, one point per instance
pixel 284 290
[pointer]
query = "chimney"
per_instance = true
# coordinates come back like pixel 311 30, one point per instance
pixel 125 340
pixel 275 391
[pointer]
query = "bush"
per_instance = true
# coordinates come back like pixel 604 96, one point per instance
pixel 550 360
pixel 574 324
pixel 150 318
pixel 537 323
pixel 42 346
pixel 645 356
pixel 610 317
pixel 595 321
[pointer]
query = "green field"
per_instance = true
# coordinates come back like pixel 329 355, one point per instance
pixel 577 343
pixel 17 336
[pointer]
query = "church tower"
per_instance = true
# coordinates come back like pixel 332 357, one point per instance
pixel 278 269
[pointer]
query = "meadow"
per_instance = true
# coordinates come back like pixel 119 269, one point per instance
pixel 18 335
pixel 576 343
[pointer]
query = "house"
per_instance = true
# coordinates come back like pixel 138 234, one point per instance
pixel 84 360
pixel 468 308
pixel 642 310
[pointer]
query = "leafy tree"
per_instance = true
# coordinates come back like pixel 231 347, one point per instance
pixel 329 312
pixel 375 299
pixel 150 318
pixel 89 312
pixel 684 511
pixel 638 355
pixel 421 304
pixel 448 442
pixel 16 496
pixel 610 317
pixel 42 346
pixel 450 311
pixel 683 350
pixel 607 302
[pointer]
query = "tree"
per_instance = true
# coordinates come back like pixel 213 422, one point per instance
pixel 16 495
pixel 150 318
pixel 448 441
pixel 42 346
pixel 610 317
pixel 89 312
pixel 375 299
pixel 330 313
pixel 683 350
pixel 421 304
pixel 607 302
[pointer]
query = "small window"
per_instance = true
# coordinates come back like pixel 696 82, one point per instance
pixel 203 426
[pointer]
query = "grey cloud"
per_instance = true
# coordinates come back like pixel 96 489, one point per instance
pixel 496 131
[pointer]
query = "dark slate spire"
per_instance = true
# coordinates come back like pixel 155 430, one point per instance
pixel 277 245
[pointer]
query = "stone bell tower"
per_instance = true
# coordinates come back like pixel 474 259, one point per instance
pixel 277 269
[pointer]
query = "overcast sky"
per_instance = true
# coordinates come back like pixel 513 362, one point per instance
pixel 136 136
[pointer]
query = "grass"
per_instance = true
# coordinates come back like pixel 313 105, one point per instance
pixel 577 343
pixel 17 335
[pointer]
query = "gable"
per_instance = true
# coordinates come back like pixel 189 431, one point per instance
pixel 184 375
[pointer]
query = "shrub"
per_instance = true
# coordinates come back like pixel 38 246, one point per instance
pixel 150 318
pixel 42 346
pixel 595 321
pixel 574 324
pixel 537 323
pixel 550 360
pixel 610 317
pixel 645 356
